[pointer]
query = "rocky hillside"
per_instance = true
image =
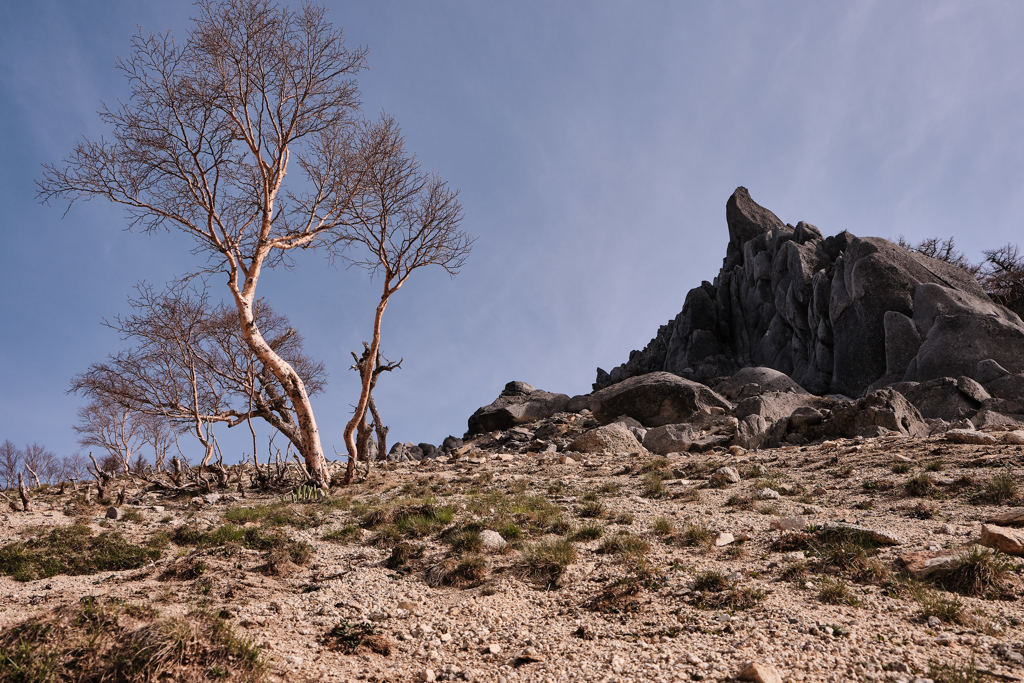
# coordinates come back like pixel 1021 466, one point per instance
pixel 886 559
pixel 838 314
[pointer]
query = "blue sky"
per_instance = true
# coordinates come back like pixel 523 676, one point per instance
pixel 594 143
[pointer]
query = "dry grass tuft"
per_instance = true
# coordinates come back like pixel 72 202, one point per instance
pixel 103 640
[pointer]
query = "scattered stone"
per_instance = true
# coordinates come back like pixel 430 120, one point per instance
pixel 491 540
pixel 1002 538
pixel 1014 517
pixel 724 476
pixel 789 523
pixel 724 538
pixel 768 494
pixel 970 436
pixel 759 673
pixel 1014 438
pixel 922 564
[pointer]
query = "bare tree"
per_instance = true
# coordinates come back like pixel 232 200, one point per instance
pixel 10 463
pixel 41 463
pixel 189 368
pixel 1002 276
pixel 404 219
pixel 943 250
pixel 73 467
pixel 205 141
pixel 363 430
pixel 114 428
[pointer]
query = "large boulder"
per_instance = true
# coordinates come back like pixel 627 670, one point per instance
pixel 676 438
pixel 774 406
pixel 946 398
pixel 655 399
pixel 841 314
pixel 753 381
pixel 404 452
pixel 611 438
pixel 518 403
pixel 1009 387
pixel 881 413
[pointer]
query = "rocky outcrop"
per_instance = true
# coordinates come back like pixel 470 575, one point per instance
pixel 882 413
pixel 840 314
pixel 655 399
pixel 518 403
pixel 945 398
pixel 754 381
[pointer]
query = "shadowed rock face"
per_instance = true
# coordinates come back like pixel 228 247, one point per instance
pixel 838 314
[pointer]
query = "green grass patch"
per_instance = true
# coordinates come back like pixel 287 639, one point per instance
pixel 72 550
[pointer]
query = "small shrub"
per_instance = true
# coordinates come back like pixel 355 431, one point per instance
pixel 624 519
pixel 102 640
pixel 658 464
pixel 711 581
pixel 590 510
pixel 740 501
pixel 664 527
pixel 956 673
pixel 978 571
pixel 343 535
pixel 949 609
pixel 934 466
pixel 1000 489
pixel 920 486
pixel 353 638
pixel 243 515
pixel 834 591
pixel 900 467
pixel 697 535
pixel 796 572
pixel 464 538
pixel 510 531
pixel 652 485
pixel 609 488
pixel 132 515
pixel 470 570
pixel 626 545
pixel 545 561
pixel 588 532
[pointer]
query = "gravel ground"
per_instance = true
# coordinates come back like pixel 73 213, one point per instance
pixel 639 615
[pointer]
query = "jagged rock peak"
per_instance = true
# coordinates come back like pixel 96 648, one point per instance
pixel 841 314
pixel 747 219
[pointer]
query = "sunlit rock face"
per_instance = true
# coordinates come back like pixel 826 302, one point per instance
pixel 838 314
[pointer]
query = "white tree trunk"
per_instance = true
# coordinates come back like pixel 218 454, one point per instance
pixel 294 387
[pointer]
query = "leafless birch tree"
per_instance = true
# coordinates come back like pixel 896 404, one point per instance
pixel 115 428
pixel 203 145
pixel 404 219
pixel 190 368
